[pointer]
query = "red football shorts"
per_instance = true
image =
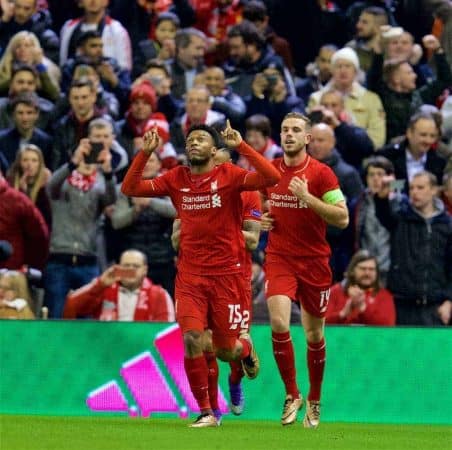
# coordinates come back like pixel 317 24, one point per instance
pixel 215 302
pixel 306 280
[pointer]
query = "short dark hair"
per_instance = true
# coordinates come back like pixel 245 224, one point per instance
pixel 82 82
pixel 25 98
pixel 380 162
pixel 259 122
pixel 379 13
pixel 249 33
pixel 168 16
pixel 208 129
pixel 21 67
pixel 297 115
pixel 157 64
pixel 255 11
pixel 391 66
pixel 85 36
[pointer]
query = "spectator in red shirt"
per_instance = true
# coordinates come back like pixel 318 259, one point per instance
pixel 122 292
pixel 359 298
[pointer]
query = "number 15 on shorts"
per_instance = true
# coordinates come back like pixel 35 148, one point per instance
pixel 237 318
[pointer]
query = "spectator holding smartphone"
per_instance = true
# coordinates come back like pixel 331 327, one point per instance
pixel 79 191
pixel 122 292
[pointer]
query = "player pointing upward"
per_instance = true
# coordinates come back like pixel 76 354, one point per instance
pixel 210 285
pixel 305 200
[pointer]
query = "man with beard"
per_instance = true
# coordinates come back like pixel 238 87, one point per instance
pixel 360 298
pixel 210 284
pixel 301 205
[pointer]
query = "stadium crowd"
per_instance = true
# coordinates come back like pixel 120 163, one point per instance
pixel 81 82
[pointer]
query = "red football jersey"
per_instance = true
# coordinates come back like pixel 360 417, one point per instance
pixel 298 230
pixel 252 210
pixel 210 209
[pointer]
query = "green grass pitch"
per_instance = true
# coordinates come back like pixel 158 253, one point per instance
pixel 116 433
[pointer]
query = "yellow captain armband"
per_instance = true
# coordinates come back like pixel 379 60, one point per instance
pixel 333 197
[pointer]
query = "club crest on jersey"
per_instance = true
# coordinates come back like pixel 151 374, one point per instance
pixel 214 186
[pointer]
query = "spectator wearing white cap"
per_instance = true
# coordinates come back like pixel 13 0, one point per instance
pixel 364 106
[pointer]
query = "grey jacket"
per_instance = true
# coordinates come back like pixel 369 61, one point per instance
pixel 75 213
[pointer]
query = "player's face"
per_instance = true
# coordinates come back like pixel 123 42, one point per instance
pixel 421 192
pixel 200 147
pixel 294 137
pixel 366 273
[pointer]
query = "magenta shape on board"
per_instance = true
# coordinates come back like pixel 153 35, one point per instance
pixel 169 344
pixel 107 398
pixel 148 385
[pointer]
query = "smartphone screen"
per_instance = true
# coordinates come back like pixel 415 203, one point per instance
pixel 96 148
pixel 122 272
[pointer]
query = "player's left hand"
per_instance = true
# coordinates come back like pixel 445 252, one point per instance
pixel 231 137
pixel 299 187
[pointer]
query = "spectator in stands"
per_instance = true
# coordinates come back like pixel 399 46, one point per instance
pixel 223 99
pixel 79 191
pixel 420 276
pixel 402 47
pixel 257 134
pixel 114 36
pixel 249 55
pixel 161 47
pixel 369 233
pixel 122 292
pixel 256 13
pixel 360 297
pixel 29 175
pixel 22 225
pixel 159 77
pixel 270 96
pixel 318 73
pixel 396 85
pixel 24 48
pixel 25 79
pixel 446 192
pixel 22 15
pixel 145 224
pixel 90 50
pixel 15 297
pixel 189 60
pixel 415 153
pixel 367 34
pixel 73 126
pixel 352 142
pixel 25 113
pixel 143 106
pixel 197 111
pixel 322 148
pixel 364 106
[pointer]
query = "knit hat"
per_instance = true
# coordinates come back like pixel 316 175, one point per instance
pixel 159 120
pixel 348 54
pixel 146 91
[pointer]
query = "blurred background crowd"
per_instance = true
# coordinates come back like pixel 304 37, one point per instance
pixel 373 76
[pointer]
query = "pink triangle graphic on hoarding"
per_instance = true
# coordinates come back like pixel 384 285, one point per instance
pixel 169 344
pixel 107 398
pixel 148 385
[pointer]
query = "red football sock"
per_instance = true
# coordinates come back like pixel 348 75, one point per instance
pixel 196 370
pixel 212 378
pixel 316 365
pixel 246 348
pixel 236 374
pixel 284 357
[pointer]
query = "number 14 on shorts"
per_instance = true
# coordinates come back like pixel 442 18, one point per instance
pixel 238 318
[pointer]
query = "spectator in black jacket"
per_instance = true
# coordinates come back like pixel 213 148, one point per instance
pixel 420 277
pixel 22 15
pixel 322 148
pixel 25 113
pixel 415 153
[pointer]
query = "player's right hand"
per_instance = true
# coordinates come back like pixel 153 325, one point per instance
pixel 150 141
pixel 267 222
